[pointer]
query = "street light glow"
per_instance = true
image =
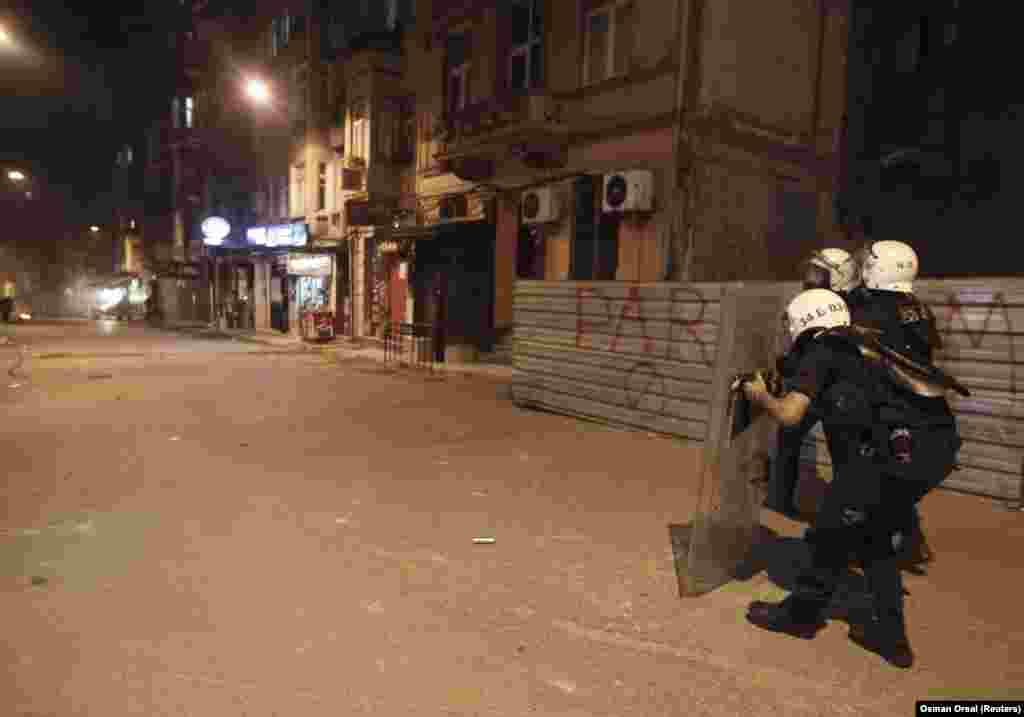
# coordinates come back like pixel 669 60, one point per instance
pixel 257 90
pixel 16 175
pixel 5 38
pixel 94 228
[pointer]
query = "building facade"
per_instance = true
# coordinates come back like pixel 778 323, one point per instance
pixel 437 151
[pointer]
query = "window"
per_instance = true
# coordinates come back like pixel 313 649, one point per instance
pixel 457 61
pixel 299 198
pixel 280 34
pixel 183 112
pixel 607 42
pixel 526 56
pixel 595 243
pixel 385 127
pixel 359 138
pixel 321 195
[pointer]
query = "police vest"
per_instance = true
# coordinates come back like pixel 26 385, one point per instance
pixel 869 400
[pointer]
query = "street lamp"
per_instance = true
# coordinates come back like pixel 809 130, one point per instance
pixel 94 228
pixel 257 90
pixel 5 37
pixel 16 175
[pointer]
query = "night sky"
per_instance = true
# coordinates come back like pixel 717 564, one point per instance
pixel 85 80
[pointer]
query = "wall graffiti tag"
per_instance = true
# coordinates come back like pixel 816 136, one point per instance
pixel 643 355
pixel 996 308
pixel 687 322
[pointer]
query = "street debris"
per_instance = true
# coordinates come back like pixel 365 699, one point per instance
pixel 175 438
pixel 14 385
pixel 38 580
pixel 485 541
pixel 98 376
pixel 343 521
pixel 479 494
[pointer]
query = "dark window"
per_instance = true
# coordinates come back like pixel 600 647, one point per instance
pixel 457 72
pixel 530 253
pixel 595 245
pixel 525 45
pixel 321 197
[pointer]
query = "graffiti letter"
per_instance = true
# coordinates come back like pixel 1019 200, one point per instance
pixel 693 326
pixel 632 310
pixel 647 374
pixel 583 326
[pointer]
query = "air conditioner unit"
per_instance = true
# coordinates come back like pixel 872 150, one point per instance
pixel 540 205
pixel 631 191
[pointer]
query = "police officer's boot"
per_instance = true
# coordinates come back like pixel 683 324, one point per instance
pixel 885 633
pixel 798 615
pixel 801 614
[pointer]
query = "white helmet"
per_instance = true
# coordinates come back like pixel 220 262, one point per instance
pixel 833 269
pixel 816 309
pixel 889 265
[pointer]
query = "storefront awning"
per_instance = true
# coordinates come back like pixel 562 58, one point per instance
pixel 413 233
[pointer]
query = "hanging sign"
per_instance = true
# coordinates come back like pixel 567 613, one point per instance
pixel 214 229
pixel 315 265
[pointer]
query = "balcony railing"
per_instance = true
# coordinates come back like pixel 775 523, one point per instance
pixel 498 115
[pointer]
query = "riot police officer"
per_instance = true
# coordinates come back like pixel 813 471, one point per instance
pixel 864 511
pixel 885 301
pixel 878 288
pixel 834 269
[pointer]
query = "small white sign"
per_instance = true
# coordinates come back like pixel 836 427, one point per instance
pixel 319 265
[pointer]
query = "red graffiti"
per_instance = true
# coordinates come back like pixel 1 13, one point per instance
pixel 583 326
pixel 687 309
pixel 632 310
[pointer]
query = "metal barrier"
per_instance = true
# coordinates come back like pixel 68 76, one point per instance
pixel 414 345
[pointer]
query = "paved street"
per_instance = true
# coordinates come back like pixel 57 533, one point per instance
pixel 217 528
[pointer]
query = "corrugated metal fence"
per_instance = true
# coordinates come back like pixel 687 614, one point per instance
pixel 642 355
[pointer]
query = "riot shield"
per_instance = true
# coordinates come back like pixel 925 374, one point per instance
pixel 738 448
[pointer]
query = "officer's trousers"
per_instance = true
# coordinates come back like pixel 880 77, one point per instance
pixel 786 467
pixel 864 512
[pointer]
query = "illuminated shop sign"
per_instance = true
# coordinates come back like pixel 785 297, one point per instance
pixel 278 235
pixel 215 229
pixel 310 265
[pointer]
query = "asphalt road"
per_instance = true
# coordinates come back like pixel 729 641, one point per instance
pixel 199 527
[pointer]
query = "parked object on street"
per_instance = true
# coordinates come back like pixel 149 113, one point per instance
pixel 14 310
pixel 318 326
pixel 485 541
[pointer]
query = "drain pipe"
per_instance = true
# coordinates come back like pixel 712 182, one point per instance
pixel 687 85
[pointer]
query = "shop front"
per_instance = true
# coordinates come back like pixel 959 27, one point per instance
pixel 309 278
pixel 454 281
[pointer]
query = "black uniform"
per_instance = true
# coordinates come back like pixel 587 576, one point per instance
pixel 907 326
pixel 864 511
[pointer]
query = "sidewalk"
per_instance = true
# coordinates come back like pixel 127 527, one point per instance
pixel 343 348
